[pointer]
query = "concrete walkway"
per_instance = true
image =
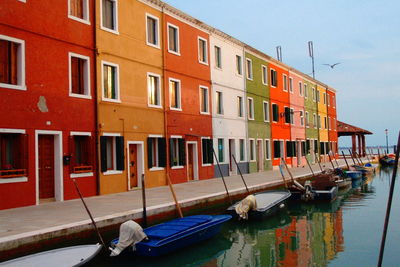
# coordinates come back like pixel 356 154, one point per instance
pixel 33 224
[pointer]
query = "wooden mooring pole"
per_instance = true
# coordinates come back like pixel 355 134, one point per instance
pixel 222 176
pixel 241 175
pixel 144 202
pixel 174 196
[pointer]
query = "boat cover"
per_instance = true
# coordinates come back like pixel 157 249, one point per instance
pixel 130 233
pixel 173 227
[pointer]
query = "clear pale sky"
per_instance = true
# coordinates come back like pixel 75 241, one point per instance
pixel 363 35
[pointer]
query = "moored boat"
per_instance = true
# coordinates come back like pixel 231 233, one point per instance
pixel 386 161
pixel 354 174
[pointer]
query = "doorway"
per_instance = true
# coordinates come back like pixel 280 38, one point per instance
pixel 232 153
pixel 192 161
pixel 135 162
pixel 299 153
pixel 260 158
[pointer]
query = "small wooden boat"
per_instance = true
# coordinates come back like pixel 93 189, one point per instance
pixel 386 161
pixel 170 236
pixel 68 256
pixel 268 203
pixel 319 189
pixel 343 183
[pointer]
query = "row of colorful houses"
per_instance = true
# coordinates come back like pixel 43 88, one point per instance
pixel 109 91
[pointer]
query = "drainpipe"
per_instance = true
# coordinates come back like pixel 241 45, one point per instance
pixel 96 110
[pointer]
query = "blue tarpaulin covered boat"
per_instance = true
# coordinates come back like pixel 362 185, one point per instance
pixel 167 237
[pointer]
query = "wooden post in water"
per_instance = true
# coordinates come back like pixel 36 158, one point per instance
pixel 222 176
pixel 144 202
pixel 90 215
pixel 344 156
pixel 389 205
pixel 174 196
pixel 240 172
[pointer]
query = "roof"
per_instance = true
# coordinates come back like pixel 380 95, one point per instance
pixel 345 129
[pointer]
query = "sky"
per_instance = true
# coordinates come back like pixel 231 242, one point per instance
pixel 363 35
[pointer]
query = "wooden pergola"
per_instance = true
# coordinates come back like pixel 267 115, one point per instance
pixel 344 129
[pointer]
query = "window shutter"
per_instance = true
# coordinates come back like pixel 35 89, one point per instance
pixel 14 62
pixel 277 149
pixel 71 145
pixel 204 150
pixel 150 152
pixel 103 153
pixel 210 152
pixel 4 61
pixel 162 153
pixel 182 154
pixel 171 154
pixel 89 152
pixel 119 144
pixel 287 115
pixel 288 149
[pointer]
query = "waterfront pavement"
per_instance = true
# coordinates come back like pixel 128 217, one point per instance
pixel 33 224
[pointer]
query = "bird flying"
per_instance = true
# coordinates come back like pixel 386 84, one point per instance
pixel 333 65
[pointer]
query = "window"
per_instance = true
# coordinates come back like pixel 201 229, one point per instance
pixel 81 153
pixel 241 149
pixel 207 149
pixel 109 15
pixel 153 89
pixel 324 96
pixel 303 148
pixel 300 89
pixel 322 148
pixel 239 65
pixel 219 103
pixel 308 146
pixel 13 155
pixel 250 107
pixel 240 106
pixel 221 150
pixel 314 97
pixel 177 152
pixel 291 85
pixel 112 153
pixel 203 57
pixel 79 10
pixel 110 82
pixel 173 39
pixel 278 149
pixel 266 111
pixel 307 119
pixel 252 150
pixel 267 149
pixel 175 94
pixel 305 91
pixel 12 63
pixel 156 154
pixel 218 57
pixel 301 118
pixel 249 69
pixel 204 100
pixel 152 31
pixel 264 75
pixel 79 81
pixel 287 115
pixel 291 149
pixel 274 80
pixel 285 85
pixel 319 122
pixel 275 112
pixel 315 120
pixel 325 123
pixel 291 116
pixel 318 96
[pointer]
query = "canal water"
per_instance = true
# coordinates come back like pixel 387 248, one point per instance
pixel 341 233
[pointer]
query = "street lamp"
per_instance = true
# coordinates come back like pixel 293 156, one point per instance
pixel 387 144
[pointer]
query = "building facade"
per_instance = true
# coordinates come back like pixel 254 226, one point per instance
pixel 311 112
pixel 322 123
pixel 332 122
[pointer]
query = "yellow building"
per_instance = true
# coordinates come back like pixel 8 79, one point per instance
pixel 129 93
pixel 322 122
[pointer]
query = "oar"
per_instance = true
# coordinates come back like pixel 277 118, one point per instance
pixel 344 156
pixel 237 165
pixel 337 163
pixel 359 156
pixel 308 163
pixel 90 215
pixel 389 205
pixel 291 176
pixel 222 176
pixel 174 196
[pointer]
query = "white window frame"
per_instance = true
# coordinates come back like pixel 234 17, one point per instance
pixel 307 122
pixel 178 46
pixel 201 87
pixel 272 112
pixel 114 151
pixel 252 145
pixel 85 174
pixel 115 31
pixel 86 12
pixel 285 82
pixel 301 118
pixel 315 122
pixel 117 91
pixel 239 67
pixel 266 111
pixel 156 168
pixel 179 108
pixel 159 90
pixel 206 50
pixel 217 104
pixel 218 57
pixel 267 149
pixel 291 116
pixel 271 80
pixel 250 108
pixel 291 85
pixel 87 94
pixel 305 91
pixel 249 69
pixel 244 150
pixel 157 44
pixel 176 137
pixel 240 112
pixel 264 74
pixel 21 64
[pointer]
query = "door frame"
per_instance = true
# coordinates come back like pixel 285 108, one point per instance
pixel 195 159
pixel 232 152
pixel 140 163
pixel 58 164
pixel 260 154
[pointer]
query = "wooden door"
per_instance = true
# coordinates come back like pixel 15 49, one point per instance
pixel 46 166
pixel 190 162
pixel 260 160
pixel 133 166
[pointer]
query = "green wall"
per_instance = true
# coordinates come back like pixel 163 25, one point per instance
pixel 311 107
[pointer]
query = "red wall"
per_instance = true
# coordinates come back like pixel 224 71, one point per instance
pixel 332 133
pixel 279 130
pixel 188 123
pixel 49 36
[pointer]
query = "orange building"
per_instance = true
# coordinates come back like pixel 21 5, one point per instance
pixel 332 121
pixel 187 83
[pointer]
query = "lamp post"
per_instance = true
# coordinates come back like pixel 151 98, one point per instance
pixel 387 143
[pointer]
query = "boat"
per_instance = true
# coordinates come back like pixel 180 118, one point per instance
pixel 353 174
pixel 343 183
pixel 386 161
pixel 317 190
pixel 68 256
pixel 268 203
pixel 170 236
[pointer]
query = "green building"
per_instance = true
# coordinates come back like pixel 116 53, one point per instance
pixel 311 115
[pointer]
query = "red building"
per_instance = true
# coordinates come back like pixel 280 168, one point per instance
pixel 280 110
pixel 187 83
pixel 47 101
pixel 332 121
